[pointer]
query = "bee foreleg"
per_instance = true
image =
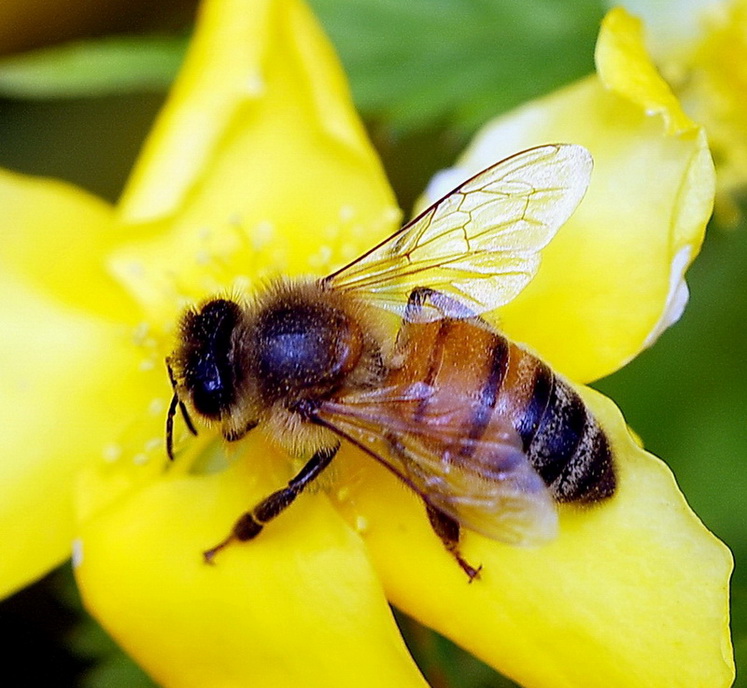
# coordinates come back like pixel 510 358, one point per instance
pixel 447 529
pixel 175 401
pixel 251 523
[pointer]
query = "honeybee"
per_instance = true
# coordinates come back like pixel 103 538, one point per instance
pixel 483 431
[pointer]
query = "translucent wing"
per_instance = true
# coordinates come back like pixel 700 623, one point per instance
pixel 487 485
pixel 479 244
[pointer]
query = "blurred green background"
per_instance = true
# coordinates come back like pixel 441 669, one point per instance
pixel 80 112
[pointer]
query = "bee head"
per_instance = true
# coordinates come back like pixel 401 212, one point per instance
pixel 206 360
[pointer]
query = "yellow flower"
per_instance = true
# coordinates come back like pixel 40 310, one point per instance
pixel 258 165
pixel 630 120
pixel 701 49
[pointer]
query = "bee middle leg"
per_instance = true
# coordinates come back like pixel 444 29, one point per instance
pixel 250 524
pixel 447 529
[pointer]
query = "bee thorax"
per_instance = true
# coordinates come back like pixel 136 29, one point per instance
pixel 300 347
pixel 306 343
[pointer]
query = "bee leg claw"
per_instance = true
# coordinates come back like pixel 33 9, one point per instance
pixel 447 529
pixel 246 528
pixel 470 570
pixel 209 554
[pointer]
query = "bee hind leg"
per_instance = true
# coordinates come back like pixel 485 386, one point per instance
pixel 447 529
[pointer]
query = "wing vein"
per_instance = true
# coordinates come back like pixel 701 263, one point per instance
pixel 482 242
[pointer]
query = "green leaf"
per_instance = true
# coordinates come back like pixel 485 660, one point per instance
pixel 105 66
pixel 739 626
pixel 444 664
pixel 117 670
pixel 459 62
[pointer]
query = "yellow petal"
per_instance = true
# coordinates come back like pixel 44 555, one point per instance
pixel 258 158
pixel 715 90
pixel 299 606
pixel 54 238
pixel 611 280
pixel 62 364
pixel 672 27
pixel 626 68
pixel 701 49
pixel 633 593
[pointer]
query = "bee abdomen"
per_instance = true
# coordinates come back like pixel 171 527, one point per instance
pixel 564 442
